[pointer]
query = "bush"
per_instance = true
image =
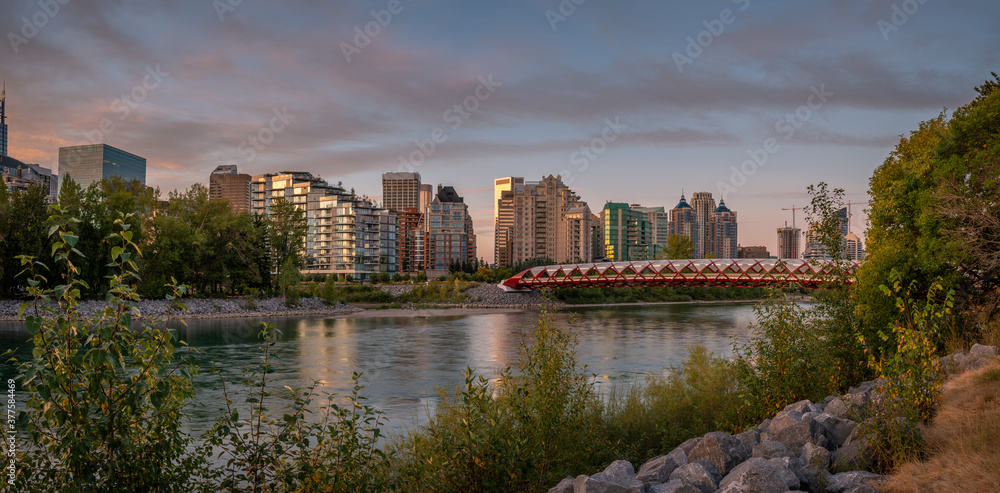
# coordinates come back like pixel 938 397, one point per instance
pixel 523 434
pixel 105 397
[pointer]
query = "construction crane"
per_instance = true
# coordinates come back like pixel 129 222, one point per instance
pixel 793 209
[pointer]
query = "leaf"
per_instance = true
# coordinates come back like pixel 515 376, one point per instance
pixel 70 239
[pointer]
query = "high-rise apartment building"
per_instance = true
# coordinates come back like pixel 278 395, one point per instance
pixel 659 219
pixel 501 185
pixel 683 222
pixel 405 196
pixel 788 242
pixel 345 234
pixel 723 231
pixel 628 234
pixel 447 237
pixel 400 191
pixel 94 162
pixel 703 205
pixel 227 183
pixel 532 222
pixel 854 247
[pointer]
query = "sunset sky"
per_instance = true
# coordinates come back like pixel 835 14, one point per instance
pixel 512 87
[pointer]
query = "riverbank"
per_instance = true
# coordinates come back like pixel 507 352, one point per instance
pixel 208 308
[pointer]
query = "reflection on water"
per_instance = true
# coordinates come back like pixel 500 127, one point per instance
pixel 404 359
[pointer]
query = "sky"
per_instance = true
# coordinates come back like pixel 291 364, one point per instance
pixel 629 101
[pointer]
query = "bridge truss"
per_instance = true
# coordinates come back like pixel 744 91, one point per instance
pixel 700 272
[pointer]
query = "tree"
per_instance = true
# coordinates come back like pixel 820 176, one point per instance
pixel 287 234
pixel 678 247
pixel 23 215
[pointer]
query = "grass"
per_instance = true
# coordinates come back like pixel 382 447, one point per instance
pixel 962 440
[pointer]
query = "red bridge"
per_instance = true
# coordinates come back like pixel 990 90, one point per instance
pixel 707 272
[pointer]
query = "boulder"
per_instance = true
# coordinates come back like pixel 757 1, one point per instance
pixel 789 428
pixel 750 437
pixel 619 477
pixel 755 475
pixel 856 453
pixel 813 468
pixel 978 363
pixel 787 469
pixel 701 474
pixel 770 449
pixel 838 408
pixel 675 486
pixel 658 469
pixel 721 449
pixel 837 430
pixel 850 481
pixel 762 427
pixel 981 351
pixel 689 444
pixel 564 486
pixel 802 407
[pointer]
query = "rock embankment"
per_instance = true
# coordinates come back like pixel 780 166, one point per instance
pixel 797 450
pixel 210 308
pixel 486 296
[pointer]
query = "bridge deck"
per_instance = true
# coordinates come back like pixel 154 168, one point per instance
pixel 700 272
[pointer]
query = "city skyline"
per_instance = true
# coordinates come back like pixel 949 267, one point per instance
pixel 623 101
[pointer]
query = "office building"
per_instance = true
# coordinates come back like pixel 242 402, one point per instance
pixel 405 197
pixel 659 220
pixel 753 252
pixel 703 205
pixel 628 234
pixel 94 162
pixel 227 183
pixel 532 222
pixel 788 243
pixel 683 222
pixel 723 232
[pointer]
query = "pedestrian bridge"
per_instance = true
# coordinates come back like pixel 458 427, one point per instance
pixel 689 272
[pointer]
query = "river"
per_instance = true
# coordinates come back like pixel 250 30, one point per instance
pixel 404 359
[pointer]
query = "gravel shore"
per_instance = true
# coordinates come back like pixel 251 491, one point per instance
pixel 212 308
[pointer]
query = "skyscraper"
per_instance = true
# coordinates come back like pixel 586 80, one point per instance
pixel 659 219
pixel 723 230
pixel 94 162
pixel 788 242
pixel 226 183
pixel 3 120
pixel 533 222
pixel 407 198
pixel 683 222
pixel 703 205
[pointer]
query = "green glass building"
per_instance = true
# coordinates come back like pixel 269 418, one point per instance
pixel 628 234
pixel 90 163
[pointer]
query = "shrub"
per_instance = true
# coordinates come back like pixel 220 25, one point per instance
pixel 105 395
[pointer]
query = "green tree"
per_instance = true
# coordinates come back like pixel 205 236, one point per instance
pixel 678 247
pixel 23 231
pixel 287 235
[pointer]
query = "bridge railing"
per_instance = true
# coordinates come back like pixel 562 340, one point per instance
pixel 688 272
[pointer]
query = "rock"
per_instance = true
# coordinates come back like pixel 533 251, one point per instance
pixel 770 449
pixel 755 475
pixel 675 486
pixel 787 469
pixel 789 428
pixel 701 474
pixel 838 408
pixel 750 437
pixel 658 469
pixel 763 426
pixel 802 407
pixel 856 453
pixel 837 430
pixel 619 477
pixel 564 486
pixel 688 445
pixel 813 468
pixel 981 351
pixel 721 449
pixel 850 481
pixel 978 363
